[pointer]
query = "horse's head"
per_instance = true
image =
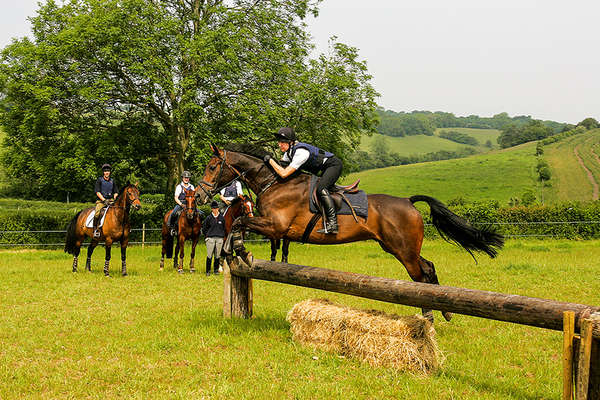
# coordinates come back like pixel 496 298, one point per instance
pixel 217 172
pixel 132 196
pixel 247 205
pixel 190 203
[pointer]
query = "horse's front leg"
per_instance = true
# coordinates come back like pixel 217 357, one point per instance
pixel 193 253
pixel 107 245
pixel 124 256
pixel 181 253
pixel 261 225
pixel 90 251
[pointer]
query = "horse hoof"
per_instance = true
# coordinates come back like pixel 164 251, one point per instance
pixel 447 315
pixel 249 258
pixel 107 276
pixel 192 270
pixel 428 315
pixel 180 271
pixel 124 273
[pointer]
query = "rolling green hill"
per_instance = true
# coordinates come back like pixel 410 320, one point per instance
pixel 421 144
pixel 496 175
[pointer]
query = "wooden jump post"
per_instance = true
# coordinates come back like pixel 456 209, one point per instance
pixel 543 313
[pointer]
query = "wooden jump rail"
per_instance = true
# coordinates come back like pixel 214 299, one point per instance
pixel 581 354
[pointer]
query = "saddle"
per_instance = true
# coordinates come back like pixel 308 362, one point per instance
pixel 337 196
pixel 347 200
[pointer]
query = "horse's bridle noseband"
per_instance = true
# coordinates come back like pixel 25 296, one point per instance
pixel 239 175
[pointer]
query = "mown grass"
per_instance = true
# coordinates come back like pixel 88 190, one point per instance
pixel 569 180
pixel 161 335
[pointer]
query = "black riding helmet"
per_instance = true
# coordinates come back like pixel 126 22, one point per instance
pixel 286 134
pixel 186 174
pixel 106 167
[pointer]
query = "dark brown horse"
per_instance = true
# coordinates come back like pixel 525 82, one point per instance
pixel 392 222
pixel 189 226
pixel 116 227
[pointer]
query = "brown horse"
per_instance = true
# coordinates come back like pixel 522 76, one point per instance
pixel 189 227
pixel 392 222
pixel 116 227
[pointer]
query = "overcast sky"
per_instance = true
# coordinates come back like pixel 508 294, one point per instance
pixel 524 57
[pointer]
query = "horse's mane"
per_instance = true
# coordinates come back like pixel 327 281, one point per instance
pixel 250 149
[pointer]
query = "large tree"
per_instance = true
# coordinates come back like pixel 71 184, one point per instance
pixel 149 83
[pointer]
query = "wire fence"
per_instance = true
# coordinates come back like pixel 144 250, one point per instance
pixel 152 236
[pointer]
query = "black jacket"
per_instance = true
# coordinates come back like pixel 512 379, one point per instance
pixel 214 226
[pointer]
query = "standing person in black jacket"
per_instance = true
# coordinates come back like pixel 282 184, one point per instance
pixel 213 229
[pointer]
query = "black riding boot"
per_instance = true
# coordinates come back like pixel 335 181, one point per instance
pixel 171 224
pixel 216 266
pixel 207 266
pixel 96 230
pixel 327 204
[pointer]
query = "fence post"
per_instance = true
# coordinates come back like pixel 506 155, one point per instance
pixel 143 235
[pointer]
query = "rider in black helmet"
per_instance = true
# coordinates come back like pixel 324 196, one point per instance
pixel 314 160
pixel 106 192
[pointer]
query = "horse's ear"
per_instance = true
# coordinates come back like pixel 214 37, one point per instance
pixel 137 184
pixel 215 149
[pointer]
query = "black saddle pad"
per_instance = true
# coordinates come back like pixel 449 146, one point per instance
pixel 358 200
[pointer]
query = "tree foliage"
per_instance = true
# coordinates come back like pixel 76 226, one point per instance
pixel 147 85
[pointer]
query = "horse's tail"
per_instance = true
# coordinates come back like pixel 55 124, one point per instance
pixel 169 245
pixel 454 228
pixel 71 239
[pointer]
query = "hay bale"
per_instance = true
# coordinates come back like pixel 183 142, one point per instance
pixel 403 342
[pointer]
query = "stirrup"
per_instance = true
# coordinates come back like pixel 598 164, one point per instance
pixel 96 233
pixel 173 232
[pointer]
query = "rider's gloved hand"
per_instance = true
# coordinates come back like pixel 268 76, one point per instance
pixel 267 158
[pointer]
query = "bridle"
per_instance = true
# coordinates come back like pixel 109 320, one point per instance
pixel 238 176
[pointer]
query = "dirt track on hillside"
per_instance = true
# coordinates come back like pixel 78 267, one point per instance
pixel 588 172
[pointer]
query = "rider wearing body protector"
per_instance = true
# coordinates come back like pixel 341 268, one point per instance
pixel 179 199
pixel 314 160
pixel 106 193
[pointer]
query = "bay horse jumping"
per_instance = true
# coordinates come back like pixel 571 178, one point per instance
pixel 189 226
pixel 116 227
pixel 393 222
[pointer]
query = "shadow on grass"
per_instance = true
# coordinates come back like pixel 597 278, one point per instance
pixel 238 326
pixel 505 389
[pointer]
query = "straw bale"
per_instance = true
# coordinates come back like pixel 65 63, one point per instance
pixel 403 342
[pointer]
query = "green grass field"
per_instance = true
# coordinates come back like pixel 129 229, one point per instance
pixel 496 175
pixel 161 335
pixel 421 144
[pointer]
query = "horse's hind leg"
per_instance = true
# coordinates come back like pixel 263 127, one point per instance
pixel 76 256
pixel 431 277
pixel 274 247
pixel 410 258
pixel 285 250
